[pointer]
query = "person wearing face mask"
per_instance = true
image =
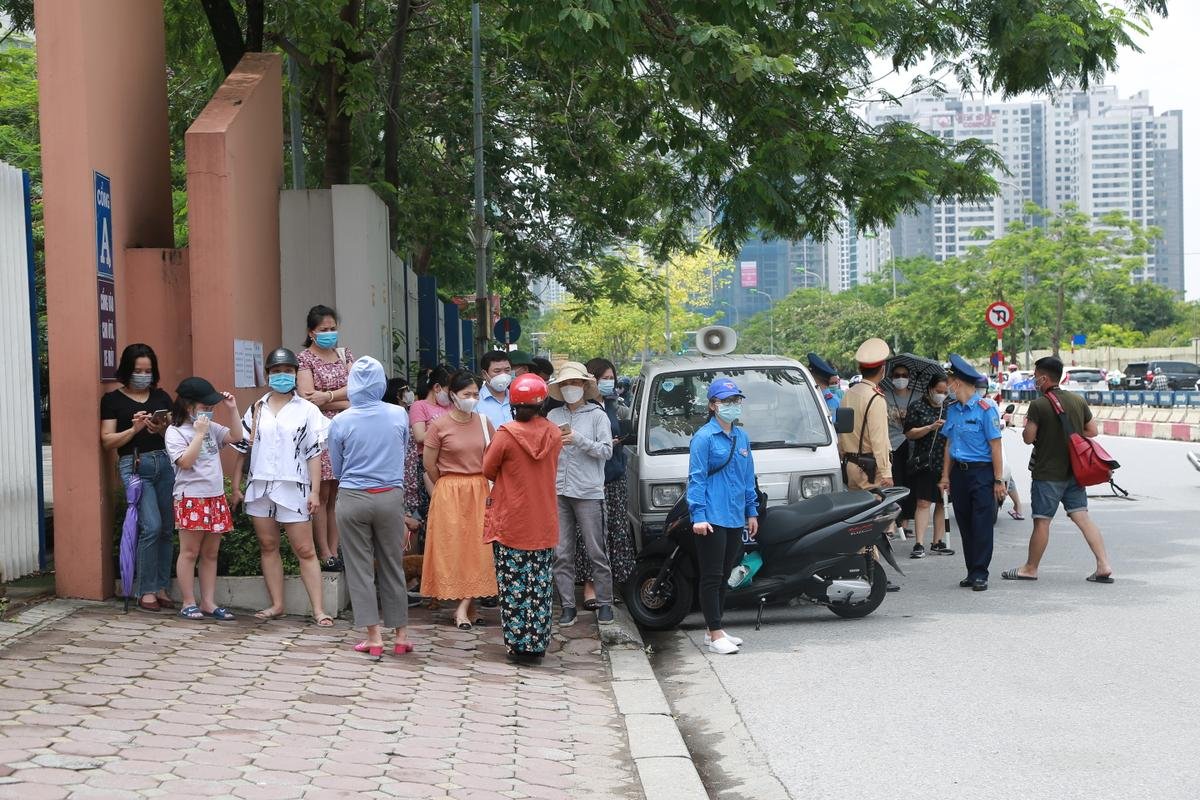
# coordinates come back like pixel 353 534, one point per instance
pixel 926 450
pixel 826 378
pixel 618 533
pixel 497 375
pixel 587 446
pixel 193 443
pixel 723 500
pixel 521 362
pixel 132 420
pixel 458 565
pixel 282 438
pixel 321 380
pixel 972 470
pixel 899 398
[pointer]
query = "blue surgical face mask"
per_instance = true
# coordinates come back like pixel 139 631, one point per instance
pixel 326 339
pixel 282 382
pixel 730 413
pixel 200 412
pixel 607 388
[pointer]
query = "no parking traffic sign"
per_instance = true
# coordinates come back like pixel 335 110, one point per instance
pixel 999 315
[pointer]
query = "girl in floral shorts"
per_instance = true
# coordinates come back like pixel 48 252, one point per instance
pixel 202 514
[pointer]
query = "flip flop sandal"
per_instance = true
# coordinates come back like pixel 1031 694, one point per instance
pixel 153 607
pixel 1015 515
pixel 220 614
pixel 191 612
pixel 1094 578
pixel 590 605
pixel 323 621
pixel 465 625
pixel 1014 575
pixel 267 614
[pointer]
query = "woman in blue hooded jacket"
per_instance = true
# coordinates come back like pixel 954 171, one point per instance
pixel 367 443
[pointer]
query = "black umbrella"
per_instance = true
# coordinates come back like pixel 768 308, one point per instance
pixel 921 372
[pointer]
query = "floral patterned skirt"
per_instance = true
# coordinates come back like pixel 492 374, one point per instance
pixel 204 514
pixel 526 588
pixel 618 536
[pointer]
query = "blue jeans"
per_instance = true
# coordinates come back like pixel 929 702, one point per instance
pixel 156 520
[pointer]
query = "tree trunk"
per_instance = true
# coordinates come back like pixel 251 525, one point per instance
pixel 254 26
pixel 391 119
pixel 338 123
pixel 226 32
pixel 1059 313
pixel 422 255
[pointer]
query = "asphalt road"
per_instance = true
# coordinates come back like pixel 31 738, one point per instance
pixel 1056 689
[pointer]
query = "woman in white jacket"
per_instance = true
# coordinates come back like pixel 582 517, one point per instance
pixel 283 436
pixel 587 445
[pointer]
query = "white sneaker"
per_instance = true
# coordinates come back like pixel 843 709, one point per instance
pixel 723 647
pixel 736 641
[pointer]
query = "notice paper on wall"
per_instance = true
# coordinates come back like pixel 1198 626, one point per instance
pixel 247 363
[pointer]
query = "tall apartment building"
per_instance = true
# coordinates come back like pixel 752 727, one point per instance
pixel 1094 149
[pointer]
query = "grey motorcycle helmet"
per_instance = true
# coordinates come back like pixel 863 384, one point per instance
pixel 282 357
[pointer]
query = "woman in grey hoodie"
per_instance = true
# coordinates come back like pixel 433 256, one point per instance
pixel 587 445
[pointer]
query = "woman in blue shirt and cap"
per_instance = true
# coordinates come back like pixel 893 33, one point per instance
pixel 723 501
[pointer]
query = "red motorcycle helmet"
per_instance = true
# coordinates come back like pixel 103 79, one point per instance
pixel 527 390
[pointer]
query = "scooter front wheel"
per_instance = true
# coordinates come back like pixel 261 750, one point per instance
pixel 874 599
pixel 658 609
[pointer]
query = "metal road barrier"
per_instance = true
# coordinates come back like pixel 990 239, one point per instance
pixel 1120 397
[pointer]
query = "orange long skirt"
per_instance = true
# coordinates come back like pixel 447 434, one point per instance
pixel 457 563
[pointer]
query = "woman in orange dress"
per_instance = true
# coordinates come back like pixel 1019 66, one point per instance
pixel 458 565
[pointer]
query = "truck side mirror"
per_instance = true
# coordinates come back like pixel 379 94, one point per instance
pixel 843 420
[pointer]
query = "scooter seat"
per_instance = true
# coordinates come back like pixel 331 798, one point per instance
pixel 784 524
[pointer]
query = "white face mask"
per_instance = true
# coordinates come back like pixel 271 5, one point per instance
pixel 900 383
pixel 442 398
pixel 981 393
pixel 466 404
pixel 408 398
pixel 572 394
pixel 938 399
pixel 500 382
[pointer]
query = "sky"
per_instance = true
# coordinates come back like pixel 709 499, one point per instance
pixel 1169 68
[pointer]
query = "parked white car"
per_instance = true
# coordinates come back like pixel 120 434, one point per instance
pixel 1084 379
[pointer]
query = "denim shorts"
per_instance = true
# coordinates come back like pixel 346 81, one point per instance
pixel 1046 495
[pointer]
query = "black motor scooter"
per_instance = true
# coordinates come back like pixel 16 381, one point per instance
pixel 820 550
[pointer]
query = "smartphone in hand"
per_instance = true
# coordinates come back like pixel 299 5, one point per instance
pixel 161 417
pixel 565 428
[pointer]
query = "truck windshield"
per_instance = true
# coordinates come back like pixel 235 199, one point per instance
pixel 781 409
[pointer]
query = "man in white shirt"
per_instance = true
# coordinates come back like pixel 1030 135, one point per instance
pixel 496 367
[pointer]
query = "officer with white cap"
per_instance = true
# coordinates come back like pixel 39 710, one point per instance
pixel 866 451
pixel 972 469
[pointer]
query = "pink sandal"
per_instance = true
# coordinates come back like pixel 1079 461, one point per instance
pixel 371 650
pixel 1015 515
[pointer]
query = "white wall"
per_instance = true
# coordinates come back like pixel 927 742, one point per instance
pixel 334 250
pixel 306 260
pixel 19 453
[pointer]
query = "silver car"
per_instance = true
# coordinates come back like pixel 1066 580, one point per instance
pixel 795 448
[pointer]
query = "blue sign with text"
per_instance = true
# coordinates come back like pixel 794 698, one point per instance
pixel 104 241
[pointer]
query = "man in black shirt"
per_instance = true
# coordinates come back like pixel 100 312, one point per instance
pixel 1053 482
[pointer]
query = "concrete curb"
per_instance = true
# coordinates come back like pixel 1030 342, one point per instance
pixel 1137 422
pixel 34 618
pixel 664 765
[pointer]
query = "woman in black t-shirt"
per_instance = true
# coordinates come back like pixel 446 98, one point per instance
pixel 132 421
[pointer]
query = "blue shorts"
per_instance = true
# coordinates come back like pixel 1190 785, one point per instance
pixel 1046 495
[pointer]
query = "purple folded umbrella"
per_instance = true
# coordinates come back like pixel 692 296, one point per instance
pixel 129 533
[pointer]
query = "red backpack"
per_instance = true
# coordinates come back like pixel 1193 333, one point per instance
pixel 1090 463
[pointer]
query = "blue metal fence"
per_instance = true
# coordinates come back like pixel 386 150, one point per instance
pixel 1121 398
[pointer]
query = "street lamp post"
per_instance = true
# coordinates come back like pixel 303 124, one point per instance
pixel 480 235
pixel 771 311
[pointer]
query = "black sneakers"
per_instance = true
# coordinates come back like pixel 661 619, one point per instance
pixel 918 551
pixel 568 618
pixel 604 615
pixel 940 549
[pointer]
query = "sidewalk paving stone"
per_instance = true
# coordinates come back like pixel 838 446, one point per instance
pixel 96 703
